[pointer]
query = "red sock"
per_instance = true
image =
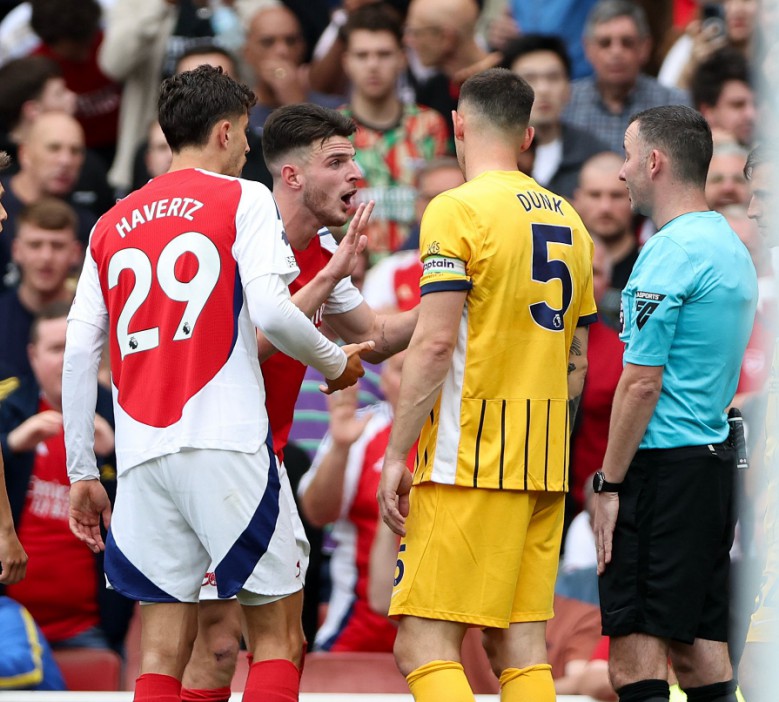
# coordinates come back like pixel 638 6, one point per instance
pixel 153 687
pixel 220 694
pixel 272 681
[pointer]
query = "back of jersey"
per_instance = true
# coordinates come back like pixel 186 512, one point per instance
pixel 171 260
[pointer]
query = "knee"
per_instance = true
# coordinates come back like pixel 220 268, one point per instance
pixel 404 656
pixel 223 650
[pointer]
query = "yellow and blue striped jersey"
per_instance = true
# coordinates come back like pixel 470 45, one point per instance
pixel 501 420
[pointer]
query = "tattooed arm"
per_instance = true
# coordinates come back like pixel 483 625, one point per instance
pixel 577 369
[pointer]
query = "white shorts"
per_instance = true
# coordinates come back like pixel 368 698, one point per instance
pixel 209 590
pixel 176 514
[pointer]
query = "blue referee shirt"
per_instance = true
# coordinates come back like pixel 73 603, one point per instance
pixel 689 306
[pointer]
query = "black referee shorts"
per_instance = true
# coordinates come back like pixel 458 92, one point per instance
pixel 670 565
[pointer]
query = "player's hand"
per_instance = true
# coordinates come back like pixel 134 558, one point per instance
pixel 345 426
pixel 394 487
pixel 32 431
pixel 606 509
pixel 88 504
pixel 344 260
pixel 13 559
pixel 353 370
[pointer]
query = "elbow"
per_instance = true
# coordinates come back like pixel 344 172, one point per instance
pixel 646 389
pixel 439 349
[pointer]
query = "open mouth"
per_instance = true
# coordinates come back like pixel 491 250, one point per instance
pixel 347 198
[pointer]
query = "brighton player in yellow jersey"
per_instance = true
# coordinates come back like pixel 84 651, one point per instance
pixel 497 355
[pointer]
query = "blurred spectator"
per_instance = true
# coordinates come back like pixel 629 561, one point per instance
pixel 602 201
pixel 618 44
pixel 393 283
pixel 50 160
pixel 393 139
pixel 143 41
pixel 32 86
pixel 340 488
pixel 562 18
pixel 27 662
pixel 707 35
pixel 70 35
pixel 726 183
pixel 560 148
pixel 441 33
pixel 17 38
pixel 722 92
pixel 274 52
pixel 64 589
pixel 45 250
pixel 147 166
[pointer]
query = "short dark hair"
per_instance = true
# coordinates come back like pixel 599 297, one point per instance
pixel 207 48
pixel 49 213
pixel 53 20
pixel 532 43
pixel 191 103
pixel 293 127
pixel 374 17
pixel 54 310
pixel 21 80
pixel 683 135
pixel 503 97
pixel 710 76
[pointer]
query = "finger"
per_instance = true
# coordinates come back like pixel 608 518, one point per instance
pixel 365 215
pixel 326 390
pixel 362 242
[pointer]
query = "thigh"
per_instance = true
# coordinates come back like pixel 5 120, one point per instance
pixel 152 553
pixel 462 557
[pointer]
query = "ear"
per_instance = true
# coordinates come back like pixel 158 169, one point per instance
pixel 457 123
pixel 656 161
pixel 77 252
pixel 223 132
pixel 528 139
pixel 291 176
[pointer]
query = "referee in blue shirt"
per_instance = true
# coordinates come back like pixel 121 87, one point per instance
pixel 665 511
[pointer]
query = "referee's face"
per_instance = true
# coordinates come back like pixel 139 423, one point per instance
pixel 633 172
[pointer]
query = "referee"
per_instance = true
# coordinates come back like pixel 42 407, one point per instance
pixel 665 505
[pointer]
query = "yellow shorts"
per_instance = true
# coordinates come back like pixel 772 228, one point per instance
pixel 485 557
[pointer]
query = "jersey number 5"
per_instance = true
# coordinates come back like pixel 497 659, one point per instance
pixel 545 269
pixel 195 292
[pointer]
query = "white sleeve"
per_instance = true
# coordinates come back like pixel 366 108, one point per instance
pixel 261 246
pixel 83 345
pixel 287 328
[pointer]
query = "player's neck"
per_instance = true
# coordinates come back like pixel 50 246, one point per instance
pixel 483 157
pixel 675 201
pixel 381 113
pixel 300 225
pixel 187 159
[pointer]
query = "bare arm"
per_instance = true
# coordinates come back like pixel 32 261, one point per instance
pixel 13 559
pixel 577 369
pixel 322 497
pixel 390 332
pixel 634 404
pixel 424 369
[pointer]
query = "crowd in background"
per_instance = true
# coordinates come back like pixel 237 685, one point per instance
pixel 78 92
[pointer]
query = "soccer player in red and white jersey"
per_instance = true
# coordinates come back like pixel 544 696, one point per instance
pixel 311 158
pixel 178 275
